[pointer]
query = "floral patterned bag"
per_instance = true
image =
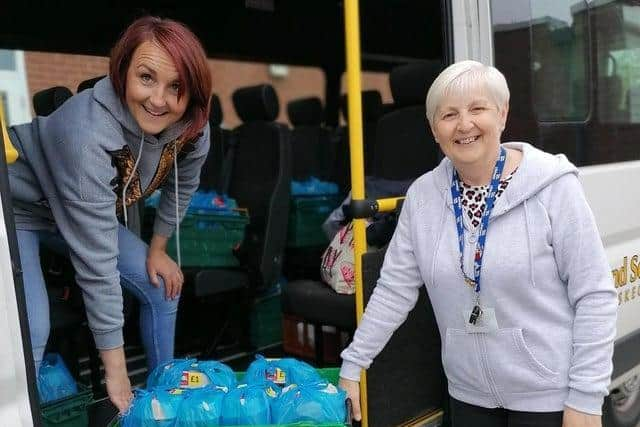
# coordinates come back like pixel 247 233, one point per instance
pixel 337 268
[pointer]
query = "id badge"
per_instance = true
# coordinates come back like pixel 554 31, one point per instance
pixel 486 323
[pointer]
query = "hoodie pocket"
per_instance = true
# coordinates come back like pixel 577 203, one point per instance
pixel 514 367
pixel 461 362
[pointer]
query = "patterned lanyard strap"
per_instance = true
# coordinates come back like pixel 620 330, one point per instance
pixel 484 224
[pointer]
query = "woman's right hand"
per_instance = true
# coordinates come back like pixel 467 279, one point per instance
pixel 116 378
pixel 353 392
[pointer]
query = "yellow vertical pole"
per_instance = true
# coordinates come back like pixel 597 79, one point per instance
pixel 352 38
pixel 9 151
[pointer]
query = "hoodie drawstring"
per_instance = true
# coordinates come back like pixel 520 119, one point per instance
pixel 527 229
pixel 175 171
pixel 126 185
pixel 437 246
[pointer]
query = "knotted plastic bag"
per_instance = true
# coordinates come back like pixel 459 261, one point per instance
pixel 317 403
pixel 169 374
pixel 156 408
pixel 54 380
pixel 281 371
pixel 248 404
pixel 201 408
pixel 209 372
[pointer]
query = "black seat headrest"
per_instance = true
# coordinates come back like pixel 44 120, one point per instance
pixel 387 108
pixel 371 106
pixel 47 101
pixel 305 111
pixel 256 103
pixel 215 113
pixel 89 83
pixel 410 82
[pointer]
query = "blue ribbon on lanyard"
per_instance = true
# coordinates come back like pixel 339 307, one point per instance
pixel 484 224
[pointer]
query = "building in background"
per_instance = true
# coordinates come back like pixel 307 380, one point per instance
pixel 30 72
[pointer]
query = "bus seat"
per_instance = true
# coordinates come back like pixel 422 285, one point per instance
pixel 260 177
pixel 213 174
pixel 405 147
pixel 309 140
pixel 47 101
pixel 260 181
pixel 404 150
pixel 311 147
pixel 89 83
pixel 371 111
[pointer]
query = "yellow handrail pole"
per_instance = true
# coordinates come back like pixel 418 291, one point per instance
pixel 389 204
pixel 352 39
pixel 11 154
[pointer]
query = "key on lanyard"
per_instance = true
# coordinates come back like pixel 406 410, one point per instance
pixel 475 314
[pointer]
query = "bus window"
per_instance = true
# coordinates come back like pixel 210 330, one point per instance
pixel 618 52
pixel 573 71
pixel 559 60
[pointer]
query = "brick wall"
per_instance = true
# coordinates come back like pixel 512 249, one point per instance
pixel 45 70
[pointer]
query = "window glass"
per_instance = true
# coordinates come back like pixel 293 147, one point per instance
pixel 617 40
pixel 559 60
pixel 7 60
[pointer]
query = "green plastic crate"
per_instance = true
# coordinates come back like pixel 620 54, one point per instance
pixel 266 321
pixel 68 412
pixel 208 239
pixel 330 374
pixel 306 216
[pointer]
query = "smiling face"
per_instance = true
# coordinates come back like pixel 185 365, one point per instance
pixel 152 88
pixel 468 127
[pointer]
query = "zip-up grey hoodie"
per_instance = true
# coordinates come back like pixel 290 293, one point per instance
pixel 72 169
pixel 544 272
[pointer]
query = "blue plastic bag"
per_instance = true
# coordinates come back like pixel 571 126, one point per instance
pixel 54 380
pixel 281 371
pixel 156 408
pixel 169 374
pixel 215 373
pixel 301 372
pixel 201 408
pixel 248 404
pixel 313 187
pixel 317 403
pixel 210 201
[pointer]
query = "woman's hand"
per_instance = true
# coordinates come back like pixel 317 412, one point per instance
pixel 116 378
pixel 573 418
pixel 160 264
pixel 353 392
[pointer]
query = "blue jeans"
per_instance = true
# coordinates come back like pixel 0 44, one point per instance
pixel 157 314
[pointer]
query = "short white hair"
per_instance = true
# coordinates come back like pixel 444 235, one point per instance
pixel 460 78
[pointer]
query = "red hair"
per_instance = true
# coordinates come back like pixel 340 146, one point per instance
pixel 188 56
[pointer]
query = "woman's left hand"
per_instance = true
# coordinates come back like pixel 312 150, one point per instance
pixel 160 264
pixel 573 418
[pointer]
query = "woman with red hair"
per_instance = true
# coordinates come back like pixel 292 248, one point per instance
pixel 142 128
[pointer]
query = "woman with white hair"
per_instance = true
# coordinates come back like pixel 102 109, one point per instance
pixel 503 239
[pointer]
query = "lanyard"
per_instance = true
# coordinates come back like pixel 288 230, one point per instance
pixel 484 224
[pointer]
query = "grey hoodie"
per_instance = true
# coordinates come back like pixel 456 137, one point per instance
pixel 72 168
pixel 544 273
